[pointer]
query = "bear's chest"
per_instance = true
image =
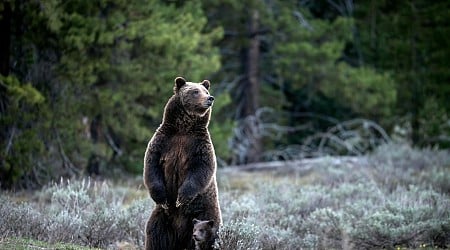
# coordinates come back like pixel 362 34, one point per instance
pixel 177 157
pixel 175 161
pixel 178 149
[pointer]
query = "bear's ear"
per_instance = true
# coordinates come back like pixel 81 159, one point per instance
pixel 206 84
pixel 211 223
pixel 179 82
pixel 195 221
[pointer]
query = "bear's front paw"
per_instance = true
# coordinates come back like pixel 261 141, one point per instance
pixel 165 206
pixel 178 203
pixel 181 201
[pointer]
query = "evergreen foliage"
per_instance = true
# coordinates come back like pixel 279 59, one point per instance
pixel 408 39
pixel 83 83
pixel 100 73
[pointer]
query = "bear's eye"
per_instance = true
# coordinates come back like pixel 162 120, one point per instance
pixel 196 92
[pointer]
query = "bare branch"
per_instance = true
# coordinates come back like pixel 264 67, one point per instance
pixel 255 127
pixel 112 144
pixel 302 20
pixel 66 161
pixel 10 140
pixel 353 137
pixel 344 8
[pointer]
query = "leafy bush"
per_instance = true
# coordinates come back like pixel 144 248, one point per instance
pixel 397 197
pixel 238 235
pixel 408 218
pixel 399 164
pixel 21 220
pixel 83 212
pixel 386 200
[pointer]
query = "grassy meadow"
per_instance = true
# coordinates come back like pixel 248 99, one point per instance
pixel 395 198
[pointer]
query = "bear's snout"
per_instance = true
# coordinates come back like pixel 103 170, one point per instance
pixel 196 237
pixel 209 100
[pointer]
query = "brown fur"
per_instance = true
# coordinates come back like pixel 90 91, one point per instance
pixel 180 168
pixel 204 234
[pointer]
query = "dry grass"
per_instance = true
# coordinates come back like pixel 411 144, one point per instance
pixel 395 197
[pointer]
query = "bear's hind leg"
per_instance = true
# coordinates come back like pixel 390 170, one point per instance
pixel 183 228
pixel 157 232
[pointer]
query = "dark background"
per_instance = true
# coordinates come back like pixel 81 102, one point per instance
pixel 83 83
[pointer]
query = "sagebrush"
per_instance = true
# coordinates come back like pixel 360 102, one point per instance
pixel 396 197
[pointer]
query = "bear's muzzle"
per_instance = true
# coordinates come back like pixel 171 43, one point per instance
pixel 210 101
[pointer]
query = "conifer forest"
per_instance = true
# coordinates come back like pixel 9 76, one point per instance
pixel 331 119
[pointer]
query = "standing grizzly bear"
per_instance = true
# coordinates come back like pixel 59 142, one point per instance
pixel 180 168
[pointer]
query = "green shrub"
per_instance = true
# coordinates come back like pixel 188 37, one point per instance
pixel 83 212
pixel 133 220
pixel 410 217
pixel 396 197
pixel 400 164
pixel 239 235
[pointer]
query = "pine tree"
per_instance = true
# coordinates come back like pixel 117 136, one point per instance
pixel 104 70
pixel 406 38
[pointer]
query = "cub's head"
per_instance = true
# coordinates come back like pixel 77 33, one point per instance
pixel 203 230
pixel 194 97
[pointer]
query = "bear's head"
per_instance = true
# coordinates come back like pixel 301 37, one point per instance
pixel 194 97
pixel 203 230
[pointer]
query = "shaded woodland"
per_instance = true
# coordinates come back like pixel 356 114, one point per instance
pixel 83 83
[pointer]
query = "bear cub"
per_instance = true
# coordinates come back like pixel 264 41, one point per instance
pixel 204 234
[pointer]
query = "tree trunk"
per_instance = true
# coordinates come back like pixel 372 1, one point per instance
pixel 5 136
pixel 5 41
pixel 248 94
pixel 253 66
pixel 418 98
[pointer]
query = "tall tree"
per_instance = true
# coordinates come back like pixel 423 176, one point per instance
pixel 407 38
pixel 5 42
pixel 248 89
pixel 300 69
pixel 100 72
pixel 242 73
